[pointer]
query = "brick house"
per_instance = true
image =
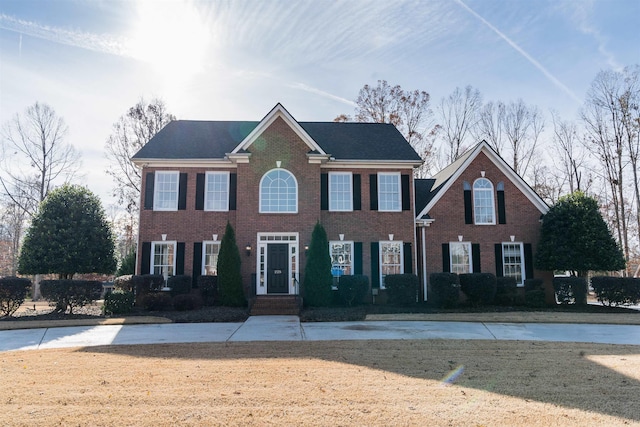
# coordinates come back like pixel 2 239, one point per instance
pixel 272 180
pixel 478 215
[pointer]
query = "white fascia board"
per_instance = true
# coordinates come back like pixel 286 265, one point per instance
pixel 278 111
pixel 370 164
pixel 183 163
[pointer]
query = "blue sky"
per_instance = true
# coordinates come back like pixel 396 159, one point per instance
pixel 234 60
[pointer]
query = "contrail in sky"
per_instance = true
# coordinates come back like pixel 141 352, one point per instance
pixel 521 51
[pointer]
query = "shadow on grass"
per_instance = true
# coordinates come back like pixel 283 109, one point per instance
pixel 560 374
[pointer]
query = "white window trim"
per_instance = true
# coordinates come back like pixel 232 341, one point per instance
pixel 206 192
pixel 399 200
pixel 204 253
pixel 522 261
pixel 153 254
pixel 468 244
pixel 295 180
pixel 380 243
pixel 343 242
pixel 156 189
pixel 493 202
pixel 331 202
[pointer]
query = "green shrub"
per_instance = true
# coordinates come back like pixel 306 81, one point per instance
pixel 480 288
pixel 616 290
pixel 570 290
pixel 145 284
pixel 157 301
pixel 445 290
pixel 353 289
pixel 534 294
pixel 127 265
pixel 208 286
pixel 13 291
pixel 317 282
pixel 118 302
pixel 186 302
pixel 402 289
pixel 507 291
pixel 63 294
pixel 179 285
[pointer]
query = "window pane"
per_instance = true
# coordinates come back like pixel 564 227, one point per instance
pixel 388 192
pixel 217 192
pixel 278 192
pixel 483 206
pixel 340 198
pixel 390 259
pixel 512 261
pixel 163 256
pixel 460 253
pixel 341 258
pixel 166 191
pixel 210 264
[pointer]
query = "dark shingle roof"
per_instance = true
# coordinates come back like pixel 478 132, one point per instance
pixel 188 139
pixel 424 192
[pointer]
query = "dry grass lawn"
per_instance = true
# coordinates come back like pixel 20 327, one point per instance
pixel 369 383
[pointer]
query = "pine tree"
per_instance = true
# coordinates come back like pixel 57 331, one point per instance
pixel 317 271
pixel 229 277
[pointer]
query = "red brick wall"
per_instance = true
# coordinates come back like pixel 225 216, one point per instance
pixel 522 219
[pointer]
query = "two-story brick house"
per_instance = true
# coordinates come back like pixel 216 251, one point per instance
pixel 478 215
pixel 272 180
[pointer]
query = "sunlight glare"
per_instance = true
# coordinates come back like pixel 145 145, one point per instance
pixel 172 37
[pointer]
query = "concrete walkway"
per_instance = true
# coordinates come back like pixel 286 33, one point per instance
pixel 289 328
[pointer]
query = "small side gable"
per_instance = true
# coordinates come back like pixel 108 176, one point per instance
pixel 278 112
pixel 445 179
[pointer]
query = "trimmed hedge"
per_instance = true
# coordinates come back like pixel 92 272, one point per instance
pixel 13 291
pixel 616 290
pixel 445 290
pixel 507 291
pixel 118 302
pixel 180 285
pixel 208 286
pixel 156 301
pixel 402 289
pixel 534 295
pixel 124 283
pixel 480 288
pixel 353 289
pixel 570 290
pixel 63 294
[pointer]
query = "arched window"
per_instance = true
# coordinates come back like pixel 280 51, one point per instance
pixel 483 204
pixel 278 192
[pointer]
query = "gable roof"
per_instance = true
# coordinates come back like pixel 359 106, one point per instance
pixel 214 140
pixel 435 188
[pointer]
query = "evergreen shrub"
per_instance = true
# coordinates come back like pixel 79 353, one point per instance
pixel 208 286
pixel 180 284
pixel 480 288
pixel 570 290
pixel 445 290
pixel 157 301
pixel 353 289
pixel 186 302
pixel 616 291
pixel 118 302
pixel 13 291
pixel 65 293
pixel 402 289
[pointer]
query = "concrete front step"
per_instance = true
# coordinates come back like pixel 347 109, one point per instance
pixel 276 305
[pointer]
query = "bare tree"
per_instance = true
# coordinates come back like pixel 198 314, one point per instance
pixel 130 133
pixel 490 125
pixel 570 154
pixel 35 157
pixel 12 226
pixel 522 127
pixel 459 114
pixel 604 119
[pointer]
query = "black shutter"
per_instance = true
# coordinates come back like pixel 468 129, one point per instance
pixel 502 214
pixel 408 265
pixel 375 265
pixel 182 192
pixel 499 268
pixel 197 263
pixel 145 267
pixel 148 191
pixel 475 255
pixel 528 261
pixel 180 258
pixel 324 191
pixel 357 258
pixel 373 192
pixel 406 193
pixel 200 180
pixel 233 191
pixel 446 258
pixel 468 208
pixel 357 193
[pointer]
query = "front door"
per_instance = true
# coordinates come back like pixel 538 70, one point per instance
pixel 278 268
